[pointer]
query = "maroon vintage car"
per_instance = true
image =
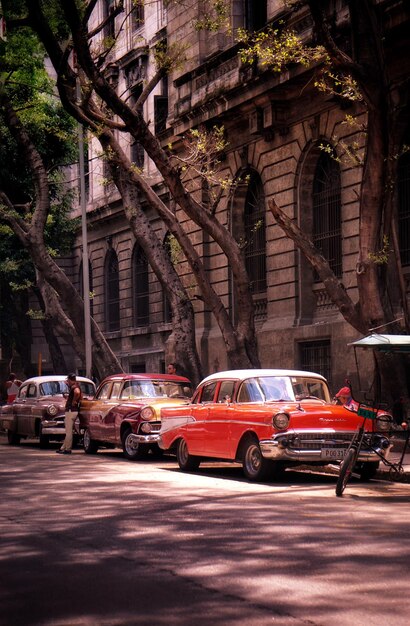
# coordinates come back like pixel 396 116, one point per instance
pixel 38 410
pixel 126 412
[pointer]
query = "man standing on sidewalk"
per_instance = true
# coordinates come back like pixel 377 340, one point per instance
pixel 71 413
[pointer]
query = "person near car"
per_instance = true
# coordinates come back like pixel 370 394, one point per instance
pixel 13 384
pixel 344 396
pixel 72 408
pixel 171 369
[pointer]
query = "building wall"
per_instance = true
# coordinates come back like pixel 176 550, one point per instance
pixel 274 124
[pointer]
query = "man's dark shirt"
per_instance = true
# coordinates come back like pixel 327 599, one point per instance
pixel 72 405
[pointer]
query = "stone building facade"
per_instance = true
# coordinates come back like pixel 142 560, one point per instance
pixel 276 126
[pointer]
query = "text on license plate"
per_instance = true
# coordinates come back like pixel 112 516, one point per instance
pixel 333 453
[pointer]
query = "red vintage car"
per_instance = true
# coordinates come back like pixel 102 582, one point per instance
pixel 267 420
pixel 126 412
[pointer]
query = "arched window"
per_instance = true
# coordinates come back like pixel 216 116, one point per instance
pixel 90 281
pixel 140 287
pixel 254 222
pixel 403 184
pixel 327 212
pixel 112 292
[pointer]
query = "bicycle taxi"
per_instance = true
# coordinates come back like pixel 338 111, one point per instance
pixel 368 410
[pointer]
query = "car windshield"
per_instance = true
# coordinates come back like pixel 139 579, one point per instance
pixel 283 388
pixel 134 389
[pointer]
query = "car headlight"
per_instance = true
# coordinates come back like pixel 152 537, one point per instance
pixel 146 427
pixel 52 410
pixel 280 421
pixel 147 413
pixel 383 422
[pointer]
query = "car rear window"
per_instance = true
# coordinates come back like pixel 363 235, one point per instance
pixel 87 388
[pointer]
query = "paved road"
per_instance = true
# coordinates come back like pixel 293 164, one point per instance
pixel 103 541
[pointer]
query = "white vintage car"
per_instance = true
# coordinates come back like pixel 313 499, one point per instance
pixel 38 410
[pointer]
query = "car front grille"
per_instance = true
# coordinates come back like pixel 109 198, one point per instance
pixel 314 441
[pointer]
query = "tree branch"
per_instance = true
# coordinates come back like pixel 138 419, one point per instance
pixel 18 225
pixel 333 286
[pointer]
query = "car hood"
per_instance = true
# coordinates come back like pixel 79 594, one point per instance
pixel 157 404
pixel 128 407
pixel 308 414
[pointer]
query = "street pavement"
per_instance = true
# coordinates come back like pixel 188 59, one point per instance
pixel 98 540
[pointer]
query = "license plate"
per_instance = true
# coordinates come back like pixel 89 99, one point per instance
pixel 333 453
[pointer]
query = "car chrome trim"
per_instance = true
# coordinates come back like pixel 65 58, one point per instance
pixel 151 438
pixel 306 446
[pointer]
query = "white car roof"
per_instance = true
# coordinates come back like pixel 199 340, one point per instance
pixel 57 377
pixel 254 373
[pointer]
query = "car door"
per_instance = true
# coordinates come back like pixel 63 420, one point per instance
pixel 95 411
pixel 202 436
pixel 26 420
pixel 108 416
pixel 17 408
pixel 221 413
pixel 218 422
pixel 198 439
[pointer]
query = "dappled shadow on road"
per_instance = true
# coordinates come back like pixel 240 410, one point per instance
pixel 114 542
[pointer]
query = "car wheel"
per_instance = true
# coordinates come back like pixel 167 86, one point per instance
pixel 255 466
pixel 367 471
pixel 13 438
pixel 44 440
pixel 90 445
pixel 133 451
pixel 186 461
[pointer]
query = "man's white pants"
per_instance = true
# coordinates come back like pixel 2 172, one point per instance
pixel 69 420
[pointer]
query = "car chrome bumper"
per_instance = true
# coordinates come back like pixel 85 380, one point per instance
pixel 57 427
pixel 53 427
pixel 315 446
pixel 149 438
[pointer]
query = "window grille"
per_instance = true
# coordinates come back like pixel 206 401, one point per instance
pixel 137 154
pixel 113 292
pixel 403 177
pixel 141 288
pixel 254 230
pixel 315 356
pixel 327 212
pixel 160 113
pixel 138 16
pixel 109 28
